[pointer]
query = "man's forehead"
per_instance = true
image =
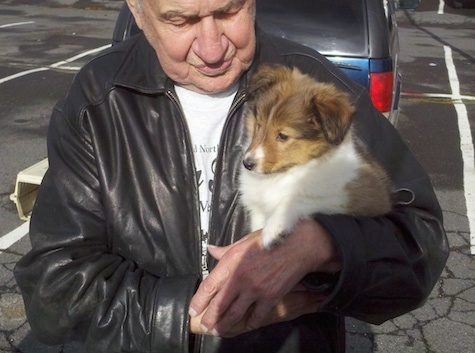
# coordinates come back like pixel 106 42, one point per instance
pixel 195 6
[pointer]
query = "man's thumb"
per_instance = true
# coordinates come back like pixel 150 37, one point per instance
pixel 217 251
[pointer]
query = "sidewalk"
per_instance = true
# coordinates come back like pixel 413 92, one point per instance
pixel 446 323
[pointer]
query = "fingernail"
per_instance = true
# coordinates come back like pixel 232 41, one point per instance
pixel 204 328
pixel 214 332
pixel 192 312
pixel 212 246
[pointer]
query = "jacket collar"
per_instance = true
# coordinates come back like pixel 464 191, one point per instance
pixel 140 69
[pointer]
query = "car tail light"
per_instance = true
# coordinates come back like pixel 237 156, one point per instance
pixel 381 90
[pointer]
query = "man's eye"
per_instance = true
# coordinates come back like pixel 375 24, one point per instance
pixel 224 15
pixel 182 21
pixel 177 23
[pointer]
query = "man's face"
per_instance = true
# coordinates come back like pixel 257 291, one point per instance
pixel 203 45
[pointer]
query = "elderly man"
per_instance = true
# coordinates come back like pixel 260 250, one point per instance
pixel 144 153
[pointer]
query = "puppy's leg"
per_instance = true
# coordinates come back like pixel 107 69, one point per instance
pixel 258 220
pixel 279 226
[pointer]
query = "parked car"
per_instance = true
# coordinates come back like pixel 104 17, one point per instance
pixel 360 37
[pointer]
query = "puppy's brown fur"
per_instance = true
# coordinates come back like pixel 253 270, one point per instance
pixel 286 105
pixel 297 127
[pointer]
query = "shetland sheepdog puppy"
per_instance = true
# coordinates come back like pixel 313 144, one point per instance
pixel 302 157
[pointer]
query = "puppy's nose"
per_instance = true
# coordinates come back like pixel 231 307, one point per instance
pixel 249 164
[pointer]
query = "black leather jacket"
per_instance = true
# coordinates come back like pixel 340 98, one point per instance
pixel 115 229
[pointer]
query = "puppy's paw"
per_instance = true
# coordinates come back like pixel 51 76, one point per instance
pixel 273 236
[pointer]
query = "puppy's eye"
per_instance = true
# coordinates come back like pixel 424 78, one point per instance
pixel 282 137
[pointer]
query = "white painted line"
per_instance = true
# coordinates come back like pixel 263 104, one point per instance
pixel 16 24
pixel 466 145
pixel 70 68
pixel 11 238
pixel 15 235
pixel 441 7
pixel 56 65
pixel 79 56
pixel 23 73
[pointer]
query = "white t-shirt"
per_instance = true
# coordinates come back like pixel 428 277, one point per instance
pixel 205 116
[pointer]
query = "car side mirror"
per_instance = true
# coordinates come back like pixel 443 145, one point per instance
pixel 407 4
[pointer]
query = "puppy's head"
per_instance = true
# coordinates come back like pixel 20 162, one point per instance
pixel 292 119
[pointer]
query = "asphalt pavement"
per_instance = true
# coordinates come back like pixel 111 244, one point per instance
pixel 446 323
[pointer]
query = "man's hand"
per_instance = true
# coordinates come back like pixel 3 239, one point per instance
pixel 296 303
pixel 252 287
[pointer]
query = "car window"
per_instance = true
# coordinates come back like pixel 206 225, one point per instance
pixel 333 27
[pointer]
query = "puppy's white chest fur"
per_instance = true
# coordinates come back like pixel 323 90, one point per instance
pixel 278 201
pixel 302 158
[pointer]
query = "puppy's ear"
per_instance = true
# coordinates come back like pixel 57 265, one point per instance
pixel 333 110
pixel 264 78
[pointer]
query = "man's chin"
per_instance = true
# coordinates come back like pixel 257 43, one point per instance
pixel 212 85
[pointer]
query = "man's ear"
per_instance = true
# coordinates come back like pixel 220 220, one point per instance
pixel 136 11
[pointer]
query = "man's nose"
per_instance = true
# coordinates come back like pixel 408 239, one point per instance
pixel 210 43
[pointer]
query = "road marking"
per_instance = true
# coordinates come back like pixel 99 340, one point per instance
pixel 466 145
pixel 56 65
pixel 15 235
pixel 441 7
pixel 70 68
pixel 79 56
pixel 17 24
pixel 435 95
pixel 23 73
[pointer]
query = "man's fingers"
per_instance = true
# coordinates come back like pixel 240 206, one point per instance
pixel 217 308
pixel 259 316
pixel 205 293
pixel 235 316
pixel 293 305
pixel 224 272
pixel 218 251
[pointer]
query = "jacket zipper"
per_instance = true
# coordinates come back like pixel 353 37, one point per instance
pixel 242 95
pixel 214 197
pixel 197 216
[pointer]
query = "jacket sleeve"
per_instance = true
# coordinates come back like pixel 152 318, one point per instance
pixel 74 287
pixel 390 263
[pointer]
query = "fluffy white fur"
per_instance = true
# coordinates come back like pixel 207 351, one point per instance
pixel 278 201
pixel 302 158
